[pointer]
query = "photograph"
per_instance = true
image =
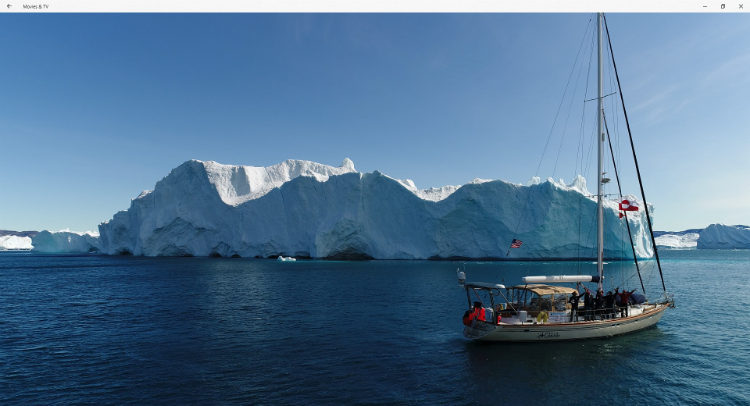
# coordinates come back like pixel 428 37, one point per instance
pixel 374 203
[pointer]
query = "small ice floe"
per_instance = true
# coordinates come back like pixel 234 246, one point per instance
pixel 285 259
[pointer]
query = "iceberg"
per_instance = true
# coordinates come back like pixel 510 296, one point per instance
pixel 305 209
pixel 678 241
pixel 14 243
pixel 66 241
pixel 720 236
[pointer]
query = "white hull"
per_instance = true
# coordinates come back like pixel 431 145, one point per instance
pixel 526 332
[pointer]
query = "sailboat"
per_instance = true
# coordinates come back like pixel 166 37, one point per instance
pixel 541 310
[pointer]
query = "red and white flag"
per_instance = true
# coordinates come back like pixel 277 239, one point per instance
pixel 629 205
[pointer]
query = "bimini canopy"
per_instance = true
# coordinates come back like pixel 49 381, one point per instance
pixel 483 285
pixel 542 290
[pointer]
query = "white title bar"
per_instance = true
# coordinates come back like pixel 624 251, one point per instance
pixel 360 6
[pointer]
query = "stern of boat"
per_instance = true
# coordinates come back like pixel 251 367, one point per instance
pixel 478 330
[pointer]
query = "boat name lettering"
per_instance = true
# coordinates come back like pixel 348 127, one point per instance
pixel 548 335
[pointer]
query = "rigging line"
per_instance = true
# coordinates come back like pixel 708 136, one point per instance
pixel 528 196
pixel 597 98
pixel 563 98
pixel 589 234
pixel 588 79
pixel 635 159
pixel 579 159
pixel 582 132
pixel 619 189
pixel 567 118
pixel 615 116
pixel 581 143
pixel 621 250
pixel 650 278
pixel 580 214
pixel 580 153
pixel 591 149
pixel 628 280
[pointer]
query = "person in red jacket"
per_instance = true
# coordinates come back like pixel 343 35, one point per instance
pixel 624 296
pixel 468 318
pixel 476 314
pixel 479 311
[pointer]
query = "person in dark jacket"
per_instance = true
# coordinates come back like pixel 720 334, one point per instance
pixel 574 298
pixel 599 304
pixel 609 305
pixel 588 301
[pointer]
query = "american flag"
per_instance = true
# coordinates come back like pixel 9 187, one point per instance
pixel 516 243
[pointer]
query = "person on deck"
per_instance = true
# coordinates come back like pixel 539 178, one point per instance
pixel 599 304
pixel 624 296
pixel 479 311
pixel 588 301
pixel 618 303
pixel 476 314
pixel 609 305
pixel 468 317
pixel 574 298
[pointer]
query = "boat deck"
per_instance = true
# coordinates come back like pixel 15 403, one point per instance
pixel 513 329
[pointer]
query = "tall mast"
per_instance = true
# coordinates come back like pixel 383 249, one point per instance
pixel 600 145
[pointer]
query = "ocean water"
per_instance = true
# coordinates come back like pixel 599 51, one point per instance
pixel 129 330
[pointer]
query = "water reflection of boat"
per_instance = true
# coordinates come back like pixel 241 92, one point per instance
pixel 538 311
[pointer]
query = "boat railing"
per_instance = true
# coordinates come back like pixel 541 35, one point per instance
pixel 582 313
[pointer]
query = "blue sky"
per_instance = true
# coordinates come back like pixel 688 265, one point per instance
pixel 95 108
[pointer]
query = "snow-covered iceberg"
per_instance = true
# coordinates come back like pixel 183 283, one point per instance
pixel 677 240
pixel 66 241
pixel 305 209
pixel 14 242
pixel 720 236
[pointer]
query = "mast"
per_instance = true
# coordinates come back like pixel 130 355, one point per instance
pixel 600 148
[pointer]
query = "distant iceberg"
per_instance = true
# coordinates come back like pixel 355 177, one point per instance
pixel 14 242
pixel 66 241
pixel 306 209
pixel 678 241
pixel 720 236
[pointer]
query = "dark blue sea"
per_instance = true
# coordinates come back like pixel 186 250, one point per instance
pixel 130 330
